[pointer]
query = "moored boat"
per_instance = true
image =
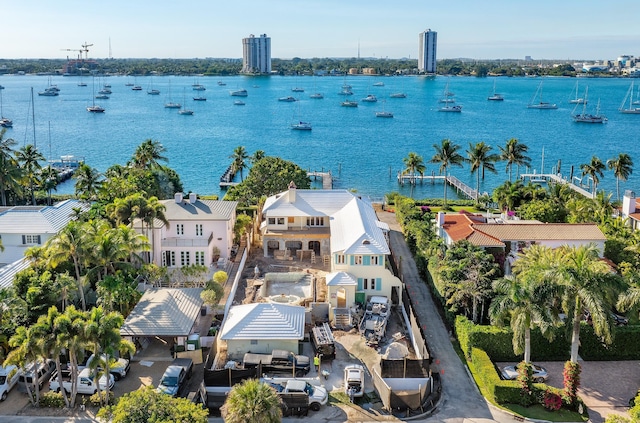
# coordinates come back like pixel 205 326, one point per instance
pixel 239 93
pixel 537 103
pixel 349 103
pixel 301 126
pixel 370 99
pixel 288 99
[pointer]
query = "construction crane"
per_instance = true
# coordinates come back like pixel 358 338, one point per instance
pixel 86 50
pixel 73 49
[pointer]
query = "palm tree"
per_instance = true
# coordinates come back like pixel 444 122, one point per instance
pixel 258 155
pixel 524 303
pixel 479 157
pixel 252 401
pixel 27 349
pixel 446 155
pixel 71 325
pixel 49 181
pixel 514 153
pixel 622 167
pixel 69 244
pixel 239 158
pixel 508 195
pixel 414 164
pixel 148 154
pixel 88 182
pixel 10 172
pixel 29 157
pixel 586 282
pixel 593 169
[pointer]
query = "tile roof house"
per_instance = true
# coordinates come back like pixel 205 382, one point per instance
pixel 339 228
pixel 22 227
pixel 631 209
pixel 197 231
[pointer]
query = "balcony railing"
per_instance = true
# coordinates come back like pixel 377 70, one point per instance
pixel 187 242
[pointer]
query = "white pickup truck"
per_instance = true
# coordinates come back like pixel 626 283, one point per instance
pixel 86 383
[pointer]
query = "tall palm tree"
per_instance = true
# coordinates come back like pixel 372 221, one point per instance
pixel 27 348
pixel 514 153
pixel 593 169
pixel 148 154
pixel 414 164
pixel 88 182
pixel 622 167
pixel 10 172
pixel 67 244
pixel 71 325
pixel 524 303
pixel 508 195
pixel 480 158
pixel 49 181
pixel 29 157
pixel 239 158
pixel 252 401
pixel 586 283
pixel 446 155
pixel 258 155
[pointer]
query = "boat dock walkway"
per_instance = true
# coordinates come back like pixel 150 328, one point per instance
pixel 460 186
pixel 226 180
pixel 550 177
pixel 327 178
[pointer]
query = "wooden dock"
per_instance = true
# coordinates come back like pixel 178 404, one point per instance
pixel 226 180
pixel 327 178
pixel 460 186
pixel 549 177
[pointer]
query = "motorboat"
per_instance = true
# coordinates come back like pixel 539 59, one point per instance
pixel 288 99
pixel 6 123
pixel 378 84
pixel 301 126
pixel 48 92
pixel 200 98
pixel 221 84
pixel 102 97
pixel 448 108
pixel 384 114
pixel 346 91
pixel 297 90
pixel 370 99
pixel 398 95
pixel 199 87
pixel 136 88
pixel 239 93
pixel 349 103
pixel 239 103
pixel 153 92
pixel 185 112
pixel 95 109
pixel 317 96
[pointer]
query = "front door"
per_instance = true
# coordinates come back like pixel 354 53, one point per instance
pixel 342 298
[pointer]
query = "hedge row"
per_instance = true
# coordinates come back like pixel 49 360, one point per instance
pixel 497 342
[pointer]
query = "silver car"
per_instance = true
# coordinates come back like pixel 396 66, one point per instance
pixel 540 374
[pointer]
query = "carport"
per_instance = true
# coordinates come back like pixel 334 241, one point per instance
pixel 169 315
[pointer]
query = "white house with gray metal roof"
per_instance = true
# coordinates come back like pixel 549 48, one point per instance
pixel 262 327
pixel 339 228
pixel 198 231
pixel 22 227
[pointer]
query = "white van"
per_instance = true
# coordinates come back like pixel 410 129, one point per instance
pixel 39 371
pixel 8 378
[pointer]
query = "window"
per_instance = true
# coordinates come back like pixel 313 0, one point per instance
pixel 198 229
pixel 31 239
pixel 169 259
pixel 272 221
pixel 281 221
pixel 315 221
pixel 374 260
pixel 369 283
pixel 357 260
pixel 254 342
pixel 200 258
pixel 180 229
pixel 184 258
pixel 340 259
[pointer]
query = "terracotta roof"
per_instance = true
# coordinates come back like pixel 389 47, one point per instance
pixel 542 231
pixel 460 226
pixel 634 216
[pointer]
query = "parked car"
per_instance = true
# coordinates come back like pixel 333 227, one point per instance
pixel 540 374
pixel 36 372
pixel 9 376
pixel 175 377
pixel 119 367
pixel 619 319
pixel 85 383
pixel 354 381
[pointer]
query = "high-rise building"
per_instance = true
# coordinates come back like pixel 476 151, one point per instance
pixel 256 54
pixel 428 43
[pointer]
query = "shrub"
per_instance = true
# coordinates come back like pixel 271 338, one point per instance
pixel 97 399
pixel 552 401
pixel 525 380
pixel 52 400
pixel 571 376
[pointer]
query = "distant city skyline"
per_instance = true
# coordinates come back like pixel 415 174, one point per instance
pixel 500 29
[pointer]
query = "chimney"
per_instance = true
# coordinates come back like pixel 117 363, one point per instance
pixel 628 203
pixel 292 192
pixel 193 197
pixel 178 197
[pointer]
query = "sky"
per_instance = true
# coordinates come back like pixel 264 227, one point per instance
pixel 491 29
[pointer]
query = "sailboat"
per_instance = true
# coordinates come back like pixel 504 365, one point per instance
pixel 540 104
pixel 576 99
pixel 94 108
pixel 400 94
pixel 316 95
pixel 637 100
pixel 81 83
pixel 134 86
pixel 447 99
pixel 630 110
pixel 585 117
pixel 383 113
pixel 4 122
pixel 184 110
pixel 151 90
pixel 495 96
pixel 170 103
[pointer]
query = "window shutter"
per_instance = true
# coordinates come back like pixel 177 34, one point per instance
pixel 359 284
pixel 378 284
pixel 336 257
pixel 24 239
pixel 351 260
pixel 39 241
pixel 367 260
pixel 380 260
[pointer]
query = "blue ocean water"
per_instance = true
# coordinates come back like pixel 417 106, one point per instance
pixel 364 152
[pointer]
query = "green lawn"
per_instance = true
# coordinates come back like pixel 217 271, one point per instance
pixel 538 412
